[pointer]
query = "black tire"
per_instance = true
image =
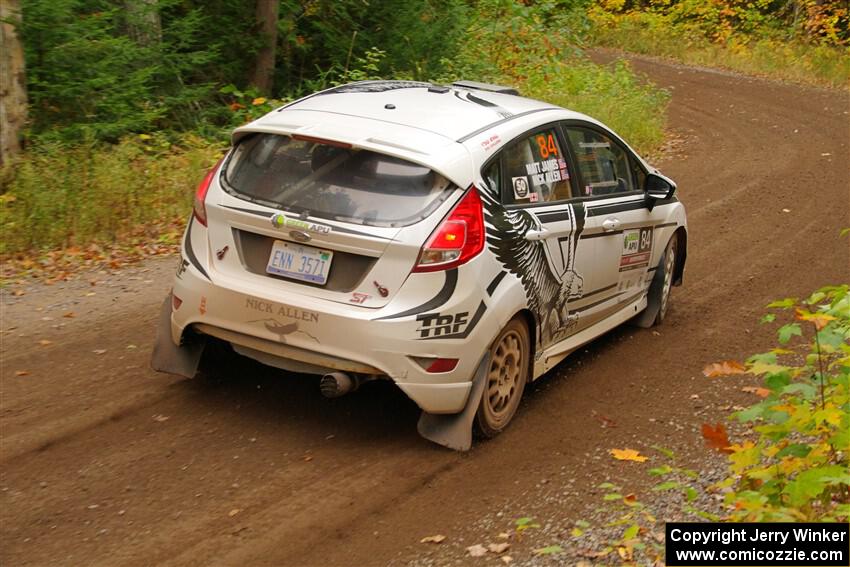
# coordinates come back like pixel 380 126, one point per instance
pixel 505 380
pixel 661 287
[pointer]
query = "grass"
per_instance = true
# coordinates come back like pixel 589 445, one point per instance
pixel 59 197
pixel 654 34
pixel 611 94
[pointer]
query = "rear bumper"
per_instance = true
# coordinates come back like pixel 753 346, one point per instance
pixel 303 334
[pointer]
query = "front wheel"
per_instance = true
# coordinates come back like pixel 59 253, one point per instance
pixel 505 380
pixel 668 264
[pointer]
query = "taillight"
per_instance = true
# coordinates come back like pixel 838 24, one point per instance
pixel 199 208
pixel 458 239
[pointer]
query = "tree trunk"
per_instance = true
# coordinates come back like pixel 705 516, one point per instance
pixel 263 75
pixel 143 22
pixel 13 82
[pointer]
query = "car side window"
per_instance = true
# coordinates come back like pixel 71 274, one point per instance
pixel 493 177
pixel 604 165
pixel 639 175
pixel 535 170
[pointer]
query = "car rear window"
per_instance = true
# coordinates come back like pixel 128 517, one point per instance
pixel 333 182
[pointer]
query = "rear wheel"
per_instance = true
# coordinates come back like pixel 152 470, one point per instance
pixel 506 378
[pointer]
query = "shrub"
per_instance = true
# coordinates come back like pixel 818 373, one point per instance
pixel 91 193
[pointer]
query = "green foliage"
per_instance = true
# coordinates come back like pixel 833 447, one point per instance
pixel 73 197
pixel 87 79
pixel 797 467
pixel 111 108
pixel 534 49
pixel 713 34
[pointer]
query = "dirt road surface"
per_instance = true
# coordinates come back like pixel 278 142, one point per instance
pixel 105 462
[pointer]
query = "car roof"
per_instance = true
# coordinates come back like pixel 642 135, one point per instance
pixel 452 111
pixel 433 125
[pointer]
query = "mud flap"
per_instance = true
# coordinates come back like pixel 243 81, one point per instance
pixel 168 357
pixel 646 319
pixel 455 430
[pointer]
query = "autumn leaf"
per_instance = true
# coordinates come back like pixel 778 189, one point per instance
pixel 548 550
pixel 760 392
pixel 258 101
pixel 716 437
pixel 433 539
pixel 498 547
pixel 477 550
pixel 45 342
pixel 627 455
pixel 724 368
pixel 22 372
pixel 819 320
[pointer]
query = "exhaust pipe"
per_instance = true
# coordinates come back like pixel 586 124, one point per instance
pixel 337 384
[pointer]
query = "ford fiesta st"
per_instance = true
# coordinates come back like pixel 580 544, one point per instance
pixel 458 240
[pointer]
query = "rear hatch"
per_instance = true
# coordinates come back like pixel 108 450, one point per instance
pixel 321 218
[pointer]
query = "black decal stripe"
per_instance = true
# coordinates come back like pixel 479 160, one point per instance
pixel 592 305
pixel 190 253
pixel 600 290
pixel 334 228
pixel 601 234
pixel 442 296
pixel 628 300
pixel 495 283
pixel 603 209
pixel 259 213
pixel 474 321
pixel 554 216
pixel 502 121
pixel 615 208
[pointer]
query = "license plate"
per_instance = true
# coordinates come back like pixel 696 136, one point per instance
pixel 300 262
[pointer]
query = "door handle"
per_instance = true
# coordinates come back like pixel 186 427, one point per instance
pixel 534 235
pixel 610 224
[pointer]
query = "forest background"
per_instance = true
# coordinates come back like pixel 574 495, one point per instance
pixel 112 110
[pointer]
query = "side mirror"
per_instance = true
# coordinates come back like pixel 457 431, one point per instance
pixel 659 187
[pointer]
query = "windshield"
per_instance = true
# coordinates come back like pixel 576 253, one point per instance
pixel 332 182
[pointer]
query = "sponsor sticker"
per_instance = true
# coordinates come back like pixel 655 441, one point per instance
pixel 491 143
pixel 436 324
pixel 637 251
pixel 520 187
pixel 280 310
pixel 282 221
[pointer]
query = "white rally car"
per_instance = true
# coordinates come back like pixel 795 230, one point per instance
pixel 458 240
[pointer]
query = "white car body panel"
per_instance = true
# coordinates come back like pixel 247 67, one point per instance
pixel 442 314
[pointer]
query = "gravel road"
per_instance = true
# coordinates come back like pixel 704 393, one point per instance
pixel 105 462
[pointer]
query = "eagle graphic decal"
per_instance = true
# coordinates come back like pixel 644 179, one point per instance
pixel 546 291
